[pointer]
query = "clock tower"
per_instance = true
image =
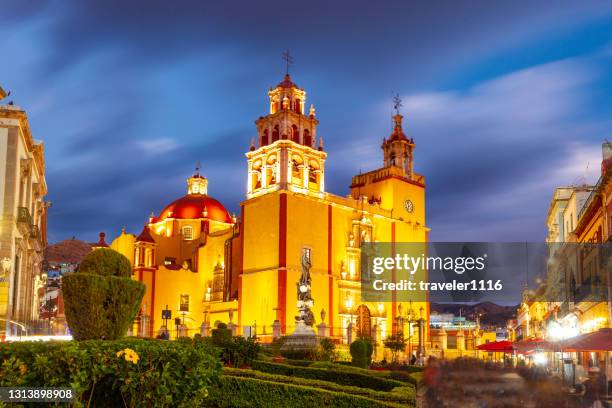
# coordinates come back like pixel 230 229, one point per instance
pixel 395 187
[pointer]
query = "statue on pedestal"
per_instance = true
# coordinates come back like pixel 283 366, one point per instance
pixel 305 301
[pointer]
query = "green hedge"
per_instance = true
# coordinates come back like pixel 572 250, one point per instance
pixel 143 373
pixel 237 392
pixel 336 376
pixel 106 262
pixel 100 307
pixel 408 375
pixel 404 395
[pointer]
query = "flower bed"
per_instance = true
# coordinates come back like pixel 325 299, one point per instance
pixel 129 372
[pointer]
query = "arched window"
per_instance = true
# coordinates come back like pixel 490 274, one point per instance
pixel 295 134
pixel 392 159
pixel 275 134
pixel 187 232
pixel 264 138
pixel 307 138
pixel 312 174
pixel 297 106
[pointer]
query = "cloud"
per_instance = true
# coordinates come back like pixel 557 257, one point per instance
pixel 153 147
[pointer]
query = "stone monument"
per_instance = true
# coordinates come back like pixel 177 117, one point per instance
pixel 304 337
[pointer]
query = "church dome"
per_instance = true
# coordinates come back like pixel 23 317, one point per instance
pixel 193 206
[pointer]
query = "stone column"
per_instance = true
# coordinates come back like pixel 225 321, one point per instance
pixel 322 330
pixel 460 341
pixel 443 336
pixel 276 329
pixel 205 329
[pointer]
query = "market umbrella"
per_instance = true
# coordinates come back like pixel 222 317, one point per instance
pixel 600 340
pixel 496 347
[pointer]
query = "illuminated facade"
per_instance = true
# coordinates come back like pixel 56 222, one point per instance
pixel 23 214
pixel 210 267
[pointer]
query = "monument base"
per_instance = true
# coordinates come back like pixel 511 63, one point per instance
pixel 303 338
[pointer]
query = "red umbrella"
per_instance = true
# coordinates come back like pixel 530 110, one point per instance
pixel 600 340
pixel 504 346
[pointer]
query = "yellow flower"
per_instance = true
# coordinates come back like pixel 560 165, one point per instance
pixel 129 355
pixel 23 369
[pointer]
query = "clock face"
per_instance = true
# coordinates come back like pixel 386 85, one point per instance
pixel 409 206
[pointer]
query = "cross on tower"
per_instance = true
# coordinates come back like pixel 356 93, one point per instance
pixel 198 167
pixel 397 103
pixel 288 60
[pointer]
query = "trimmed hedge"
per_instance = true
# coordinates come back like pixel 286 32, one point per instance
pixel 404 395
pixel 298 363
pixel 336 376
pixel 100 307
pixel 408 374
pixel 143 373
pixel 237 392
pixel 361 353
pixel 106 262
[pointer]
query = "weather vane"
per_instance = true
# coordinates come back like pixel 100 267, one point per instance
pixel 288 60
pixel 397 103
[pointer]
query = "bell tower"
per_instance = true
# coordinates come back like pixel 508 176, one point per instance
pixel 287 154
pixel 398 149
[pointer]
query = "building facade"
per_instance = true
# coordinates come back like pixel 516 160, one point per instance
pixel 207 266
pixel 23 212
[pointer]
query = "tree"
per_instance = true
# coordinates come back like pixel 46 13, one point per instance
pixel 101 300
pixel 396 343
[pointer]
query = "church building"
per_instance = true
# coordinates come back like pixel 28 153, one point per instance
pixel 208 267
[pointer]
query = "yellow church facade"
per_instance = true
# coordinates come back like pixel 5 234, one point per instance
pixel 208 267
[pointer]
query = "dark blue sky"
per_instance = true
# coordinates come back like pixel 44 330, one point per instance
pixel 505 100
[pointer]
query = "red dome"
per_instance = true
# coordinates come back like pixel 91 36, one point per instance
pixel 192 206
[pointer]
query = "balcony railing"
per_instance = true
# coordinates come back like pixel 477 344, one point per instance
pixel 23 215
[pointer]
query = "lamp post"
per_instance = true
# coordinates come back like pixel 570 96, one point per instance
pixel 421 332
pixel 348 303
pixel 410 317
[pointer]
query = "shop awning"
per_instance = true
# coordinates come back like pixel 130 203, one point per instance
pixel 600 340
pixel 496 347
pixel 531 345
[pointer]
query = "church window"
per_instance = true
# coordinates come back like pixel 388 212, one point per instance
pixel 295 134
pixel 392 159
pixel 297 106
pixel 307 138
pixel 275 134
pixel 296 169
pixel 264 138
pixel 312 176
pixel 187 232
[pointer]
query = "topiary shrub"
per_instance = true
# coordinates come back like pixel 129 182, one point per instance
pixel 106 262
pixel 361 353
pixel 100 303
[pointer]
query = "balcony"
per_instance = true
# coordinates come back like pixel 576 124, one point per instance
pixel 23 215
pixel 24 220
